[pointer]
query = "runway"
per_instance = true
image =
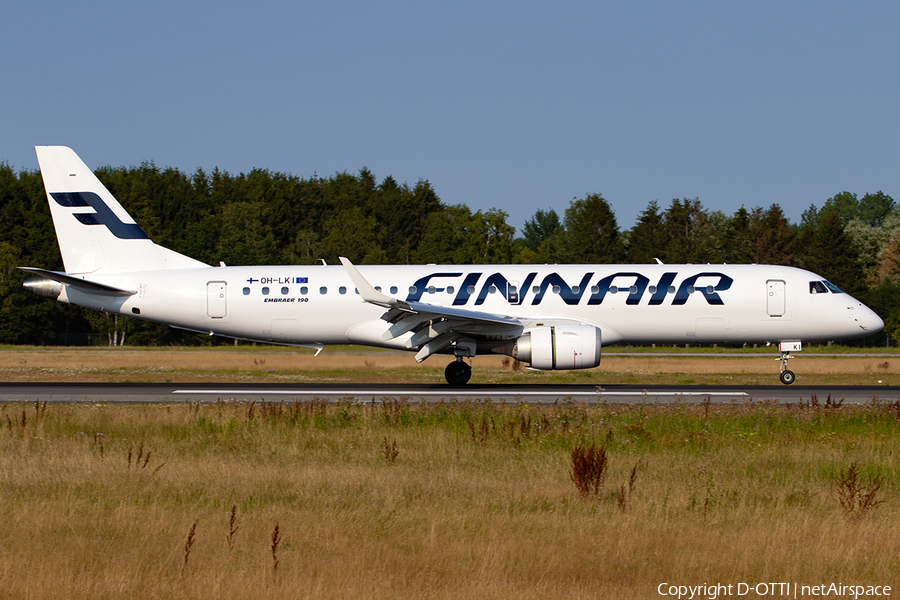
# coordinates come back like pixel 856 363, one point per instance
pixel 137 393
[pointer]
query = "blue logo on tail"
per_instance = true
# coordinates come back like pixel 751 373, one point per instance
pixel 102 215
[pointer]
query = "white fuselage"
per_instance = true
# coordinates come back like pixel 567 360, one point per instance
pixel 630 304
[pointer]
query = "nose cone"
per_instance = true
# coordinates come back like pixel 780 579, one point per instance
pixel 863 319
pixel 868 320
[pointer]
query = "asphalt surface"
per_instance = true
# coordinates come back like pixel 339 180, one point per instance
pixel 375 393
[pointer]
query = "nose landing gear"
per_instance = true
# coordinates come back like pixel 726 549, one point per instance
pixel 787 376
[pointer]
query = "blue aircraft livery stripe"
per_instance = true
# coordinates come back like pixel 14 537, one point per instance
pixel 102 214
pixel 69 200
pixel 633 283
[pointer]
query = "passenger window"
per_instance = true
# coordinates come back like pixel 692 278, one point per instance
pixel 323 290
pixel 304 290
pixel 471 289
pixel 671 289
pixel 576 289
pixel 652 289
pixel 431 289
pixel 595 289
pixel 492 289
pixel 393 289
pixel 265 291
pixel 412 289
pixel 536 289
pixel 284 291
pixel 690 289
pixel 246 291
pixel 613 289
pixel 555 289
pixel 342 290
pixel 450 289
pixel 710 289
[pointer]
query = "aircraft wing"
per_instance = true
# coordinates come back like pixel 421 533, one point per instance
pixel 434 327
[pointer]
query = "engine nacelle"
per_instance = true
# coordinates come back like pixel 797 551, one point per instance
pixel 559 347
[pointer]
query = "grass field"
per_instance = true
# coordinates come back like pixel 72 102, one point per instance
pixel 268 363
pixel 399 500
pixel 395 500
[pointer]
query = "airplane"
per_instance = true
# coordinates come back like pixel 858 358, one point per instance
pixel 546 316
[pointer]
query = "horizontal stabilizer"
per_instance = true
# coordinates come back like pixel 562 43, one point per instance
pixel 85 284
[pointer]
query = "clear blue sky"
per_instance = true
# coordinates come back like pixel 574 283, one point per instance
pixel 512 105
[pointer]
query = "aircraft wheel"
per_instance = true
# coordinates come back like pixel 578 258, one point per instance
pixel 787 377
pixel 458 373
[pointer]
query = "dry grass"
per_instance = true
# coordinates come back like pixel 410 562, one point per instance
pixel 588 466
pixel 724 494
pixel 361 365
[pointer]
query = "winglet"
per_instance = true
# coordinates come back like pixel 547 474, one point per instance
pixel 369 294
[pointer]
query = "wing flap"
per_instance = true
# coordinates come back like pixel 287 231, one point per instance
pixel 434 330
pixel 436 345
pixel 402 326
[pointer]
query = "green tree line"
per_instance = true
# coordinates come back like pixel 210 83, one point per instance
pixel 269 218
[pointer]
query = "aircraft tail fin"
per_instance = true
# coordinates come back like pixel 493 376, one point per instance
pixel 94 232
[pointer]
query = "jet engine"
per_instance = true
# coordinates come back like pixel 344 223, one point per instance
pixel 558 347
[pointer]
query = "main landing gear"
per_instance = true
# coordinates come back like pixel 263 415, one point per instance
pixel 458 372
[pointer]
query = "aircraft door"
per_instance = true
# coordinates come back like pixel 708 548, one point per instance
pixel 775 297
pixel 215 299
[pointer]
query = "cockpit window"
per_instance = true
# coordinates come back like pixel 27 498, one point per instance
pixel 817 287
pixel 834 289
